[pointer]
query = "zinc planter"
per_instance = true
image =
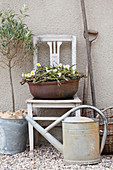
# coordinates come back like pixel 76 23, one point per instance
pixel 51 90
pixel 13 135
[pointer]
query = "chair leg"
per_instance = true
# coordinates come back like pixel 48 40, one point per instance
pixel 31 136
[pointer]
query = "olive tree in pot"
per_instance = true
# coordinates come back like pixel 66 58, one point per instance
pixel 15 45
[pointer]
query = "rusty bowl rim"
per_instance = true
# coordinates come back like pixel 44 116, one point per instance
pixel 54 82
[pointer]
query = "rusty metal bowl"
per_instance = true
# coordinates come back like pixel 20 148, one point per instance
pixel 51 90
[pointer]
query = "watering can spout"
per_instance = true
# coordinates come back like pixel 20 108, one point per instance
pixel 44 133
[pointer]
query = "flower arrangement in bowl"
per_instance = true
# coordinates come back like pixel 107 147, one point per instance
pixel 52 82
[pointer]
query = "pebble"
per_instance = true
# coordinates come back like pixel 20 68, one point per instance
pixel 48 158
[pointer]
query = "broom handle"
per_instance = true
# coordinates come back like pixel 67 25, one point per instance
pixel 88 54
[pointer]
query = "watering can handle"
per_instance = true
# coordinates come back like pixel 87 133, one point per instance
pixel 81 107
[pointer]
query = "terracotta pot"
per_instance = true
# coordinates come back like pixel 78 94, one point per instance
pixel 51 90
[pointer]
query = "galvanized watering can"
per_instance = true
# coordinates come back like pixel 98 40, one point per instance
pixel 80 136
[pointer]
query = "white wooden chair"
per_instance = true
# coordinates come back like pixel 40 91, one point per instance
pixel 53 41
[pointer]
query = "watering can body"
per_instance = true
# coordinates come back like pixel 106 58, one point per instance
pixel 80 136
pixel 81 140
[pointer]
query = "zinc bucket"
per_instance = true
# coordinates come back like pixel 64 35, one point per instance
pixel 13 135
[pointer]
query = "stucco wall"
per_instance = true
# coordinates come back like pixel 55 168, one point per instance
pixel 64 17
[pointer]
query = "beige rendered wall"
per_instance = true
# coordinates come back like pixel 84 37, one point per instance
pixel 64 17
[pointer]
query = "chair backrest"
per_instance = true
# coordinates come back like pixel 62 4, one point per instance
pixel 54 42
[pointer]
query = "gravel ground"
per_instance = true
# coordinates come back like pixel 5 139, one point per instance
pixel 47 158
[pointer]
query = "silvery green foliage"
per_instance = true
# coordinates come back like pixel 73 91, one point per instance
pixel 14 34
pixel 15 41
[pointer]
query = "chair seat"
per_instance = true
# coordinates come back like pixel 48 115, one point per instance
pixel 67 103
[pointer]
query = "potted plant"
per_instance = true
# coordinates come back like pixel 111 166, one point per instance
pixel 15 45
pixel 53 82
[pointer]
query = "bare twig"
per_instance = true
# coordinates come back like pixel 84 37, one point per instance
pixel 4 63
pixel 2 66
